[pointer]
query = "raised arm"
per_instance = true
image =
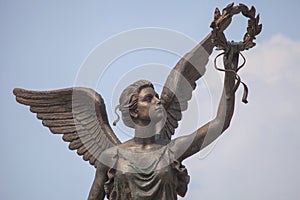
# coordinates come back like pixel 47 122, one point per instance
pixel 97 191
pixel 213 129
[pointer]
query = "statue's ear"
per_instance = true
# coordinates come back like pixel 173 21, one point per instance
pixel 134 113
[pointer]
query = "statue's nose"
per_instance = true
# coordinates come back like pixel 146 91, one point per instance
pixel 157 100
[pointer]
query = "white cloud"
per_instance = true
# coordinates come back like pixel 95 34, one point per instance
pixel 275 60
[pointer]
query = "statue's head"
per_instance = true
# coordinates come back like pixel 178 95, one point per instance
pixel 137 102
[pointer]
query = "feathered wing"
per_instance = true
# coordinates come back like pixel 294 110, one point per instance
pixel 180 84
pixel 78 113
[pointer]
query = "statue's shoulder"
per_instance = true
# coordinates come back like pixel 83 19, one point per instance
pixel 108 156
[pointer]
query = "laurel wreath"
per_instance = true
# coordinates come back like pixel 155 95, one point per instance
pixel 221 21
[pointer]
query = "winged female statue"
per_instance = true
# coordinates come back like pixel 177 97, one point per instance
pixel 148 166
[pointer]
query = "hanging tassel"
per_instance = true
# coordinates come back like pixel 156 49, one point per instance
pixel 118 116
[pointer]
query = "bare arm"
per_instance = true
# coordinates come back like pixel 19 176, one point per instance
pixel 215 127
pixel 97 191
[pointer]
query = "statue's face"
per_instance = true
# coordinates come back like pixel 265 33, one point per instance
pixel 149 107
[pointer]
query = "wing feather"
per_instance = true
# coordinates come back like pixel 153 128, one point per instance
pixel 78 113
pixel 58 123
pixel 81 151
pixel 75 144
pixel 180 84
pixel 49 116
pixel 68 137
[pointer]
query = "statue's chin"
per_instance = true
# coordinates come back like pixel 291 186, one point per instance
pixel 150 127
pixel 156 115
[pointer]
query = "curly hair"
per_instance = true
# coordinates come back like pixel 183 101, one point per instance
pixel 128 101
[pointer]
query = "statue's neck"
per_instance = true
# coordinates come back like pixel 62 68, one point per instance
pixel 145 141
pixel 145 134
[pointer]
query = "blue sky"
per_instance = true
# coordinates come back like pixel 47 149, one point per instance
pixel 44 45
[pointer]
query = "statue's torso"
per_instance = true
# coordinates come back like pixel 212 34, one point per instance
pixel 151 174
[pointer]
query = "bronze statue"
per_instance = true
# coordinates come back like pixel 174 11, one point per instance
pixel 148 166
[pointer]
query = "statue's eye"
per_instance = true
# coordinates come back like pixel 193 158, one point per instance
pixel 148 98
